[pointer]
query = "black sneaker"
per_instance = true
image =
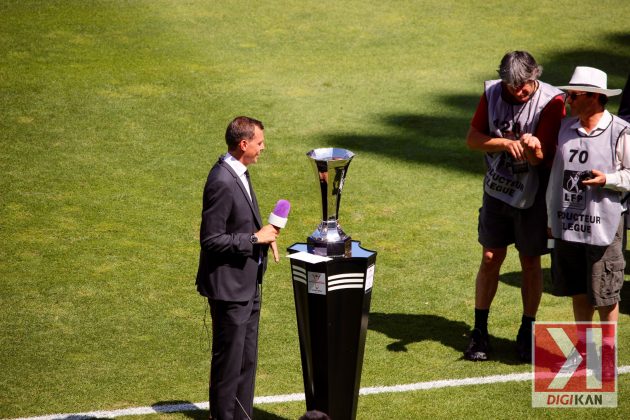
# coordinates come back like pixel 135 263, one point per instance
pixel 524 344
pixel 479 346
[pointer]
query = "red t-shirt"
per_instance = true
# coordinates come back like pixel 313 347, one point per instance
pixel 547 130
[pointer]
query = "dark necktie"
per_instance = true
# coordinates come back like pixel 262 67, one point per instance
pixel 251 190
pixel 255 204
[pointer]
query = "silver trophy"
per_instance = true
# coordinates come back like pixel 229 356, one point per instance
pixel 331 167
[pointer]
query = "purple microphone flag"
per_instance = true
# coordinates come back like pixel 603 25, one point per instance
pixel 282 208
pixel 280 213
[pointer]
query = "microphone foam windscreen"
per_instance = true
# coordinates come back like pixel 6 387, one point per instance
pixel 282 208
pixel 280 213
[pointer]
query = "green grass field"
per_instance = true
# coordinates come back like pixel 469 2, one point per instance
pixel 112 113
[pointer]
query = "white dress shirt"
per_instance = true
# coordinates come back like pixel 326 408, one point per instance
pixel 240 170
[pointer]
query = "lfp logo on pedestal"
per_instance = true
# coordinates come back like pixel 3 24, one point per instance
pixel 574 364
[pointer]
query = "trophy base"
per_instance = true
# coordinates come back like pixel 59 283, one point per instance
pixel 342 248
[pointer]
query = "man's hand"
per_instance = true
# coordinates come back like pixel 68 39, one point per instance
pixel 532 147
pixel 514 148
pixel 599 179
pixel 267 234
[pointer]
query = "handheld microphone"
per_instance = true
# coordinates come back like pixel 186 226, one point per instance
pixel 278 219
pixel 280 214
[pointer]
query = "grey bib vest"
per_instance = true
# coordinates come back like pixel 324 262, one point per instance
pixel 514 183
pixel 578 213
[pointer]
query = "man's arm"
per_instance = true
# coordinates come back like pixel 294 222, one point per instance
pixel 548 126
pixel 540 147
pixel 218 201
pixel 478 138
pixel 620 179
pixel 214 236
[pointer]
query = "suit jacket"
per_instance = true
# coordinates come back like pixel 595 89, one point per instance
pixel 228 262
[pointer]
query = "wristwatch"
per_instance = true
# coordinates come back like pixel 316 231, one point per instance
pixel 253 239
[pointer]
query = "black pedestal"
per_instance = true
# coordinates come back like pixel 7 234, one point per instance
pixel 332 303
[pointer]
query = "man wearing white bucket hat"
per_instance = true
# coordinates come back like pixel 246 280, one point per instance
pixel 516 126
pixel 590 179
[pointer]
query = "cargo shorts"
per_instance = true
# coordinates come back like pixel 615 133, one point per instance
pixel 597 271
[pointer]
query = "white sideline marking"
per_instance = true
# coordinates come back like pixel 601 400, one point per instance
pixel 272 399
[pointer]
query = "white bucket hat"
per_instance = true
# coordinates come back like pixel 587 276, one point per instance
pixel 589 79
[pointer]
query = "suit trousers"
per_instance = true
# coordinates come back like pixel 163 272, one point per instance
pixel 234 357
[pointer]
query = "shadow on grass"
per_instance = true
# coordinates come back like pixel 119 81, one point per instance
pixel 407 329
pixel 81 417
pixel 431 140
pixel 514 279
pixel 624 305
pixel 615 62
pixel 440 140
pixel 190 410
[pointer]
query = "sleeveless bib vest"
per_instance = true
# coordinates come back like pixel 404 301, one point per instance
pixel 578 213
pixel 514 183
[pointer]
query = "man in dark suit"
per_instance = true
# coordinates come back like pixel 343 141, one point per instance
pixel 234 245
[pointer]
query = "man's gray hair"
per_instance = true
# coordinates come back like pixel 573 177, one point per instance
pixel 518 67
